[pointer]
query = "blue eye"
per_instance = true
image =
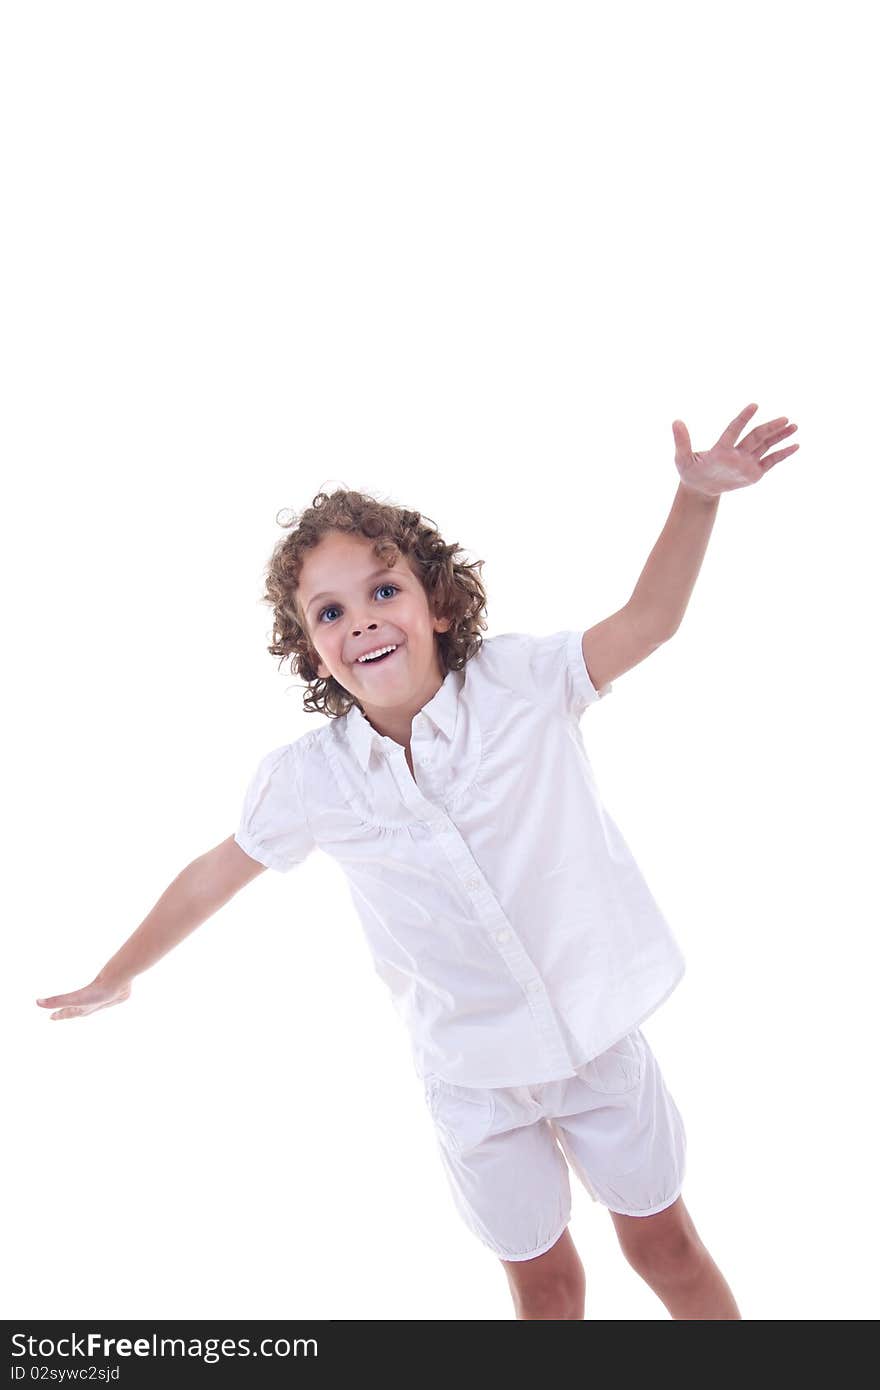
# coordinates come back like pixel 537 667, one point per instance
pixel 331 607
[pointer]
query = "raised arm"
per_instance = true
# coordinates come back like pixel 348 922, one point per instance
pixel 618 643
pixel 660 597
pixel 658 602
pixel 195 895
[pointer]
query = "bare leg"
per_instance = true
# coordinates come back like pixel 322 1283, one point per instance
pixel 667 1252
pixel 551 1285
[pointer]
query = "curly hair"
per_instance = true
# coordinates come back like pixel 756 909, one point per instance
pixel 454 589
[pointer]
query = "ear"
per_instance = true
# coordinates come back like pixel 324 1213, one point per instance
pixel 442 624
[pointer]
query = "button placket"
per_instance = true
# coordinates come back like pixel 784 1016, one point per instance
pixel 436 822
pixel 522 968
pixel 416 801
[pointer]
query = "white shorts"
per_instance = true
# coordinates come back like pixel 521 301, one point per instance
pixel 616 1125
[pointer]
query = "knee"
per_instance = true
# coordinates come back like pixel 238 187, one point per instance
pixel 560 1298
pixel 551 1285
pixel 677 1258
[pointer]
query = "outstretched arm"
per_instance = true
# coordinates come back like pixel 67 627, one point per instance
pixel 661 596
pixel 195 895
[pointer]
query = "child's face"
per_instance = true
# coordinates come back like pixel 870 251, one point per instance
pixel 351 608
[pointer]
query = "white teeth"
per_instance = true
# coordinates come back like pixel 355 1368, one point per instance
pixel 371 656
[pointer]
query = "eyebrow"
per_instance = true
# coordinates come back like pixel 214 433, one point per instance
pixel 389 569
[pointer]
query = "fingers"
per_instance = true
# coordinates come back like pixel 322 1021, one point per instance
pixel 728 437
pixel 53 1000
pixel 762 436
pixel 681 437
pixel 738 421
pixel 775 458
pixel 83 1001
pixel 769 436
pixel 779 426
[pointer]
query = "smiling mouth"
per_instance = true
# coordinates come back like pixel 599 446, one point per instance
pixel 380 660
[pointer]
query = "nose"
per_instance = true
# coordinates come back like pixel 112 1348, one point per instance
pixel 356 631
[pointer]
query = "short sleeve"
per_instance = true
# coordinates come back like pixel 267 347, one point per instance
pixel 274 827
pixel 549 671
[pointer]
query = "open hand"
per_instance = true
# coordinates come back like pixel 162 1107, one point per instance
pixel 728 465
pixel 100 994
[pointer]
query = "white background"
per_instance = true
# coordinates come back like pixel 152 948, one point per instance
pixel 474 258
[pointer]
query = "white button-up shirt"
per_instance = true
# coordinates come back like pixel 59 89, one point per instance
pixel 501 904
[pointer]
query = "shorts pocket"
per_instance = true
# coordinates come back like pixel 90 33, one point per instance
pixel 463 1115
pixel 616 1070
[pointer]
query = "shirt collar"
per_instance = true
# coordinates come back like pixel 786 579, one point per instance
pixel 441 710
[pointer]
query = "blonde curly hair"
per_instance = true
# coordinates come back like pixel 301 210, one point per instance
pixel 454 589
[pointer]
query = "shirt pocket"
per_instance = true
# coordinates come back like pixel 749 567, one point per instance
pixel 463 1115
pixel 616 1070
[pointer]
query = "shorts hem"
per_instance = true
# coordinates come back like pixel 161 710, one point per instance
pixel 645 1211
pixel 539 1250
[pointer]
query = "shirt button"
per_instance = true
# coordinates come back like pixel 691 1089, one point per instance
pixel 534 986
pixel 502 935
pixel 473 883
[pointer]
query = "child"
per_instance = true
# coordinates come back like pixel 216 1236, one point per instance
pixel 502 906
